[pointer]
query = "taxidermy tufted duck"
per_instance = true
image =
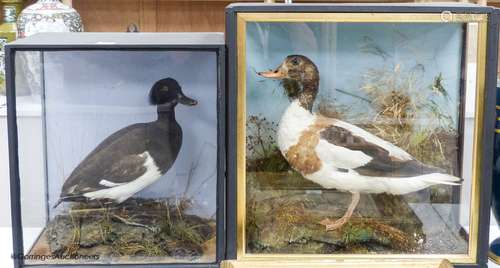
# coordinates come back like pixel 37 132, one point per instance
pixel 336 154
pixel 133 157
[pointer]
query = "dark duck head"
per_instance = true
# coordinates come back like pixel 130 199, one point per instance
pixel 299 77
pixel 166 94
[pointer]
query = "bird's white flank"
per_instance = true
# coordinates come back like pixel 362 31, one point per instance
pixel 122 192
pixel 110 183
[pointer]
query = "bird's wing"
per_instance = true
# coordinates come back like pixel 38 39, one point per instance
pixel 123 169
pixel 350 147
pixel 127 135
pixel 118 159
pixel 393 150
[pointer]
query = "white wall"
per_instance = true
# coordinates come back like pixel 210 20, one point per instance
pixel 4 169
pixel 31 161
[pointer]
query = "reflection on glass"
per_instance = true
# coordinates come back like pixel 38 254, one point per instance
pixel 353 138
pixel 130 149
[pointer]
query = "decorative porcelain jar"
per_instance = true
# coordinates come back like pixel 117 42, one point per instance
pixel 48 16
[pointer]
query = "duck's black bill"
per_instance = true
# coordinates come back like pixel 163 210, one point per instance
pixel 183 99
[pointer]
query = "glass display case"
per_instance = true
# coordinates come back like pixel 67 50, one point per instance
pixel 117 149
pixel 360 135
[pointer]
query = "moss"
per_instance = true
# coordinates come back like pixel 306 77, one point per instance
pixel 138 227
pixel 355 234
pixel 294 225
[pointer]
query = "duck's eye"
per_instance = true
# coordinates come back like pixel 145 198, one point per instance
pixel 295 61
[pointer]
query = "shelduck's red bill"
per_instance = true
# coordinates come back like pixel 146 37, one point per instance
pixel 275 74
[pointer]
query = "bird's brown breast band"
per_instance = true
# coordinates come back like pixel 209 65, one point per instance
pixel 302 156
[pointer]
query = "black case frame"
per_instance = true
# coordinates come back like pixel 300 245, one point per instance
pixel 489 109
pixel 114 42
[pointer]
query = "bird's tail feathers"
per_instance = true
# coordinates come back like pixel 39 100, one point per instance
pixel 68 198
pixel 440 178
pixel 59 201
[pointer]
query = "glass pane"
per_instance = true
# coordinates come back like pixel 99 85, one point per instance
pixel 356 139
pixel 123 156
pixel 30 144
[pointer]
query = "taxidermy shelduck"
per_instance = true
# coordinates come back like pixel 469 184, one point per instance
pixel 133 157
pixel 336 154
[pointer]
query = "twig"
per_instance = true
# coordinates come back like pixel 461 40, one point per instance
pixel 131 223
pixel 353 95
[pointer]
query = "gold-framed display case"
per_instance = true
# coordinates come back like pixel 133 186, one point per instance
pixel 360 135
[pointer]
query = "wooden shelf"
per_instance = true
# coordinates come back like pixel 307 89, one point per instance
pixel 152 15
pixel 167 15
pixel 161 15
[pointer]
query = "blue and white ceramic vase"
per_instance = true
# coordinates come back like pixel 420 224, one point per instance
pixel 42 16
pixel 48 16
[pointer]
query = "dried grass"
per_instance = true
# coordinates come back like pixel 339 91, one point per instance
pixel 410 115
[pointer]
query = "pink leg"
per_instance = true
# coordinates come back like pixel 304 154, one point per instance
pixel 332 225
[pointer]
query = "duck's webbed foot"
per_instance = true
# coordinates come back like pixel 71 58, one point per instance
pixel 333 225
